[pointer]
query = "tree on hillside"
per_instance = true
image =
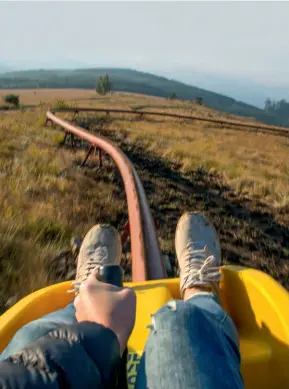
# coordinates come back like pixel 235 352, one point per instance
pixel 99 86
pixel 103 85
pixel 268 105
pixel 172 96
pixel 12 99
pixel 279 109
pixel 106 83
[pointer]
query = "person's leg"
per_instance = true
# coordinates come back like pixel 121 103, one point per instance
pixel 38 328
pixel 193 344
pixel 101 246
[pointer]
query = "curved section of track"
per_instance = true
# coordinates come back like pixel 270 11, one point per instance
pixel 146 260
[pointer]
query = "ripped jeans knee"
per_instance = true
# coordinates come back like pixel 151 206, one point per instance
pixel 185 338
pixel 162 314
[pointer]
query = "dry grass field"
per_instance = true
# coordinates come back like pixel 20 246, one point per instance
pixel 238 177
pixel 38 96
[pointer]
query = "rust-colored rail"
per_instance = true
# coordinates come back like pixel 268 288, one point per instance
pixel 146 258
pixel 259 126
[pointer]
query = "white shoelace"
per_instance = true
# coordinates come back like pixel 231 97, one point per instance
pixel 200 267
pixel 96 259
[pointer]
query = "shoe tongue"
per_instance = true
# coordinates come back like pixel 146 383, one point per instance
pixel 199 245
pixel 197 251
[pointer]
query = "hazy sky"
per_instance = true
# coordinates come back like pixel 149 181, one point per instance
pixel 249 39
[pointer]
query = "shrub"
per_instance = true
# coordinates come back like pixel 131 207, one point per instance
pixel 12 99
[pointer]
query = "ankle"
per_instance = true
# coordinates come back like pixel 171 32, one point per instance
pixel 189 292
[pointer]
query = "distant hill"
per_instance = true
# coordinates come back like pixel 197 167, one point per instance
pixel 127 80
pixel 4 68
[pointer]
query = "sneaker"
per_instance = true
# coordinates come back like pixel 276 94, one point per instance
pixel 101 246
pixel 198 251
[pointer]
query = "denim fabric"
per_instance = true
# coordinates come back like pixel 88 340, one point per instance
pixel 38 328
pixel 192 344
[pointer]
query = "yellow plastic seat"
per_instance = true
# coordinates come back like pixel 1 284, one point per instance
pixel 254 350
pixel 258 305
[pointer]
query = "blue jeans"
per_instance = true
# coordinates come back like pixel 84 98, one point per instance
pixel 193 344
pixel 38 328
